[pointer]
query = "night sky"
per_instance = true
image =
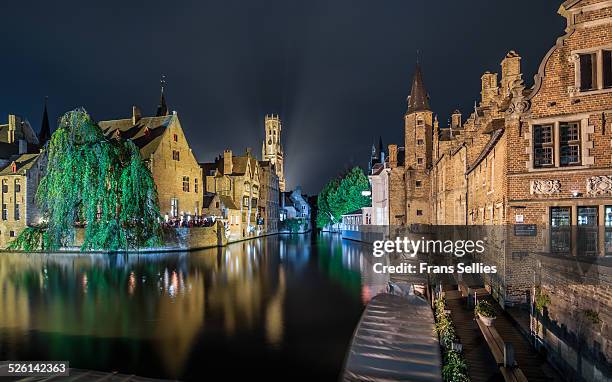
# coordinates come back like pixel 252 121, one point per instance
pixel 337 71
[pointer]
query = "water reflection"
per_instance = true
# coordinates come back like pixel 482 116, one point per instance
pixel 252 303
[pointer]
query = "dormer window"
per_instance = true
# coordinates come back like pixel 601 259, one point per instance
pixel 14 167
pixel 146 131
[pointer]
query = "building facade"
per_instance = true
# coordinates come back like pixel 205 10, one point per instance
pixel 20 173
pixel 535 162
pixel 272 149
pixel 237 178
pixel 163 145
pixel 19 180
pixel 269 197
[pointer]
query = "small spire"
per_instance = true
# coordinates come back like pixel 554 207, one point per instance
pixel 418 99
pixel 45 130
pixel 162 108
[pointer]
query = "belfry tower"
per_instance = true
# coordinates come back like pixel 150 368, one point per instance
pixel 271 149
pixel 418 137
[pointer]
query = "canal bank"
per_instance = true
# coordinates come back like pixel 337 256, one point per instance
pixel 279 306
pixel 182 239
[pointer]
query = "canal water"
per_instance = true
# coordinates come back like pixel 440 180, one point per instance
pixel 280 307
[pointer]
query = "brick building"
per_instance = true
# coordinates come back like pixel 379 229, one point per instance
pixel 164 147
pixel 20 173
pixel 537 163
pixel 237 178
pixel 269 197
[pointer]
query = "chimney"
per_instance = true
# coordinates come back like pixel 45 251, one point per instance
pixel 511 71
pixel 136 114
pixel 13 121
pixel 489 87
pixel 456 119
pixel 227 162
pixel 392 156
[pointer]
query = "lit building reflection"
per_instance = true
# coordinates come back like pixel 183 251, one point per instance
pixel 166 304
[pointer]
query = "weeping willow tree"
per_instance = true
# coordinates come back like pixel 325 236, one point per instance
pixel 96 182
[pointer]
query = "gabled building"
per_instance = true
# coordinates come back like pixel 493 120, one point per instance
pixel 163 145
pixel 19 181
pixel 20 173
pixel 532 166
pixel 269 196
pixel 237 178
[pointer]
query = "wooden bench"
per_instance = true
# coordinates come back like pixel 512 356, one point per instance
pixel 498 347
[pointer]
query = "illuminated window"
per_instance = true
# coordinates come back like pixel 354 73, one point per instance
pixel 174 207
pixel 175 138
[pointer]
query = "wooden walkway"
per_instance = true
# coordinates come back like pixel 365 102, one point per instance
pixel 481 364
pixel 533 365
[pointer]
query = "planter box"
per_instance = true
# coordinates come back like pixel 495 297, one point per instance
pixel 488 321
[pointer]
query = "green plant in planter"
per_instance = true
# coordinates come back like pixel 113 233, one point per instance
pixel 455 368
pixel 485 309
pixel 542 300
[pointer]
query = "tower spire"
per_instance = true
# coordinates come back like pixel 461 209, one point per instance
pixel 45 130
pixel 418 99
pixel 162 108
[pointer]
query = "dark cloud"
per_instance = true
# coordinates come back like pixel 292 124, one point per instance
pixel 337 71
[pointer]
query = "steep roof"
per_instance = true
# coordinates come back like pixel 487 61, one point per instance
pixel 488 147
pixel 45 130
pixel 146 133
pixel 207 199
pixel 418 100
pixel 23 163
pixel 228 202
